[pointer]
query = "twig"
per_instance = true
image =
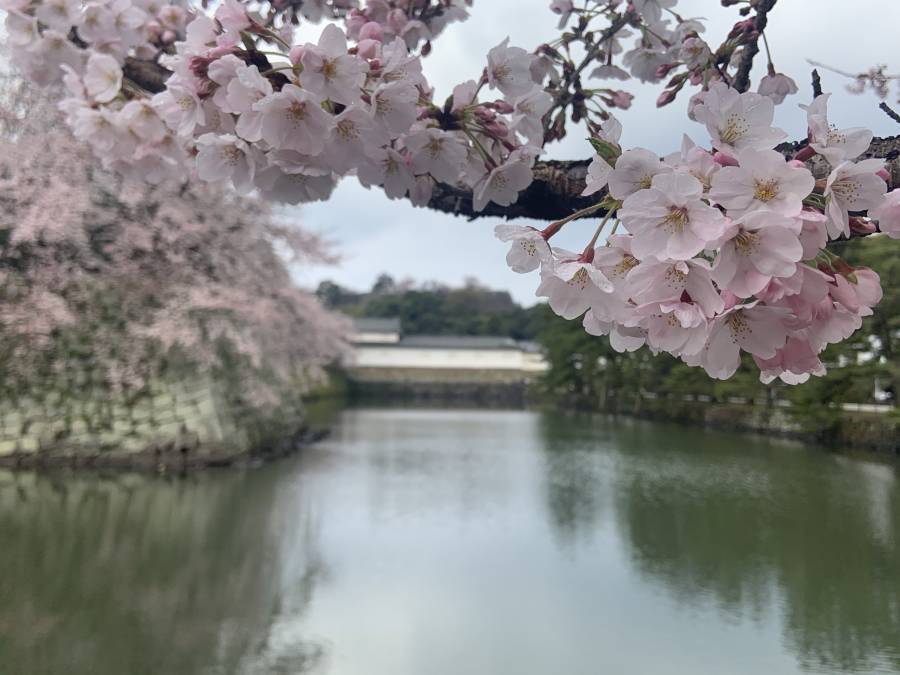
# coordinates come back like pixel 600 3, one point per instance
pixel 890 112
pixel 751 49
pixel 816 83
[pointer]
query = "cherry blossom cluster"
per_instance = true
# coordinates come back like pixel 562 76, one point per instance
pixel 723 249
pixel 649 41
pixel 288 120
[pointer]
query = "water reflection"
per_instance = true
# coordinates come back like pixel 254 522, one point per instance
pixel 127 575
pixel 753 527
pixel 481 542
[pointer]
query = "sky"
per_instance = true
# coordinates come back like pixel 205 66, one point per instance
pixel 373 234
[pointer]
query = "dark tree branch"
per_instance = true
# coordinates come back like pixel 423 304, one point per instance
pixel 890 112
pixel 816 83
pixel 741 80
pixel 557 187
pixel 148 75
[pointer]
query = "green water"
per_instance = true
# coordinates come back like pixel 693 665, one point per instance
pixel 463 543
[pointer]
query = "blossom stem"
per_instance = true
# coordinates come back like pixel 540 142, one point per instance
pixel 597 232
pixel 590 210
pixel 768 51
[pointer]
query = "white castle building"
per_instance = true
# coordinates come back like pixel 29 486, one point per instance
pixel 379 348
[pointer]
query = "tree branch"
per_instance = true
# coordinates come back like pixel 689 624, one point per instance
pixel 557 187
pixel 741 80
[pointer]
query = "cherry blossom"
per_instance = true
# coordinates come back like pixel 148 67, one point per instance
pixel 634 171
pixel 763 246
pixel 669 220
pixel 777 87
pixel 738 121
pixel 509 69
pixel 833 144
pixel 764 181
pixel 852 187
pixel 753 328
pixel 329 71
pixel 529 249
pixel 887 213
pixel 572 285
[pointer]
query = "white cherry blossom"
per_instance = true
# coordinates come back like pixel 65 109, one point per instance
pixel 670 220
pixel 764 181
pixel 293 119
pixel 528 250
pixel 509 69
pixel 738 121
pixel 835 145
pixel 329 71
pixel 852 186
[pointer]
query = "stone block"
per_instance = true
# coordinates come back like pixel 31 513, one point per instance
pixel 28 444
pixel 7 447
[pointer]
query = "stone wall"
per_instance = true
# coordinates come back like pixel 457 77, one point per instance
pixel 196 420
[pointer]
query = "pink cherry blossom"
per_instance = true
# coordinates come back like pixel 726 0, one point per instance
pixel 764 181
pixel 852 186
pixel 572 286
pixel 836 145
pixel 293 119
pixel 438 153
pixel 756 329
pixel 634 171
pixel 763 246
pixel 667 282
pixel 509 69
pixel 777 87
pixel 329 71
pixel 670 220
pixel 738 121
pixel 529 249
pixel 887 213
pixel 102 78
pixel 504 183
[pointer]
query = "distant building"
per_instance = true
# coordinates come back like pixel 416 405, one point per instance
pixel 387 364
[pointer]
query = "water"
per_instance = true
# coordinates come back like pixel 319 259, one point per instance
pixel 463 543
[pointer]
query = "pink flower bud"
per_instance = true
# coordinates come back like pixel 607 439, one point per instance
pixel 497 129
pixel 503 107
pixel 665 98
pixel 371 31
pixel 168 37
pixel 368 49
pixel 397 19
pixel 805 153
pixel 296 54
pixel 621 99
pixel 664 69
pixel 884 175
pixel 796 163
pixel 724 160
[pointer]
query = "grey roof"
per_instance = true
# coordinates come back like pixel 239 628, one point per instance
pixel 376 325
pixel 458 342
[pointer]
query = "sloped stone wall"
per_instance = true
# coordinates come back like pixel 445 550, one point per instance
pixel 197 419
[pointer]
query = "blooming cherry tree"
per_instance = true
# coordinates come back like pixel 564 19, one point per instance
pixel 719 248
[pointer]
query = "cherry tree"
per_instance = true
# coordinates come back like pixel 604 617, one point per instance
pixel 719 248
pixel 127 277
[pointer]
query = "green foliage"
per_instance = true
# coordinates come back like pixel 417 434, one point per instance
pixel 434 309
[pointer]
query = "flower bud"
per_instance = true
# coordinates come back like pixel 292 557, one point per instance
pixel 368 49
pixel 296 54
pixel 371 31
pixel 665 98
pixel 724 160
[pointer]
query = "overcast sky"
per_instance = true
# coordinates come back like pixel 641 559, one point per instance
pixel 374 234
